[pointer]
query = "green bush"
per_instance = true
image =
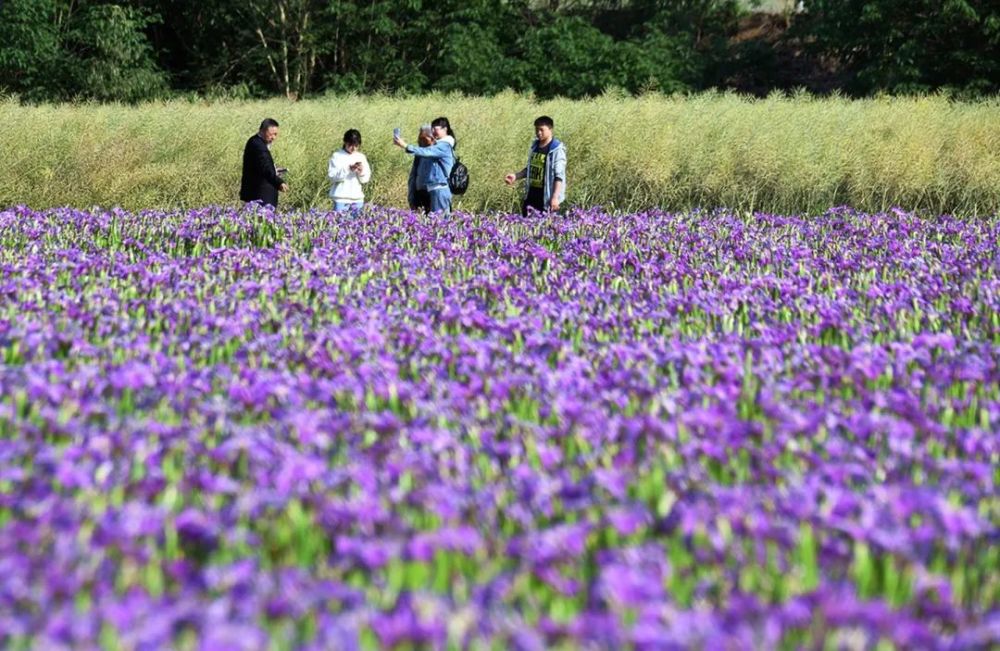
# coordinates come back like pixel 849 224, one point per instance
pixel 911 46
pixel 54 49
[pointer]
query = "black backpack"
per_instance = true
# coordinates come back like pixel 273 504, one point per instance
pixel 458 179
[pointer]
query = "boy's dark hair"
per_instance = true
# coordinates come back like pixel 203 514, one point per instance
pixel 544 121
pixel 443 122
pixel 352 137
pixel 267 123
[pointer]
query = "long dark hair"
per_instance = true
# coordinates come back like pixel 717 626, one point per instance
pixel 443 122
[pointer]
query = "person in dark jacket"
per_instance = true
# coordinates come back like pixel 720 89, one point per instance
pixel 261 179
pixel 418 198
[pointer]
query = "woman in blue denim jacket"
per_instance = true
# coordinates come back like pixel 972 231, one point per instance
pixel 434 164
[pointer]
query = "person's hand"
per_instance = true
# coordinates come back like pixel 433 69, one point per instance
pixel 356 167
pixel 399 142
pixel 510 179
pixel 554 204
pixel 283 187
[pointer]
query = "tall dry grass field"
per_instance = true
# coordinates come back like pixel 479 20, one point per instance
pixel 783 154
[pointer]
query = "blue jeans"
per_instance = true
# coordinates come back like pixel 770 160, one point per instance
pixel 440 199
pixel 353 207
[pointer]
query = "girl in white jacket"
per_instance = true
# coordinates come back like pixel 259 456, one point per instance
pixel 348 169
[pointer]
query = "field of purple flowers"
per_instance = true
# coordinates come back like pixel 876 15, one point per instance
pixel 245 430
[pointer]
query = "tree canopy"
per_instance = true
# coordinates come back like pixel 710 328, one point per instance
pixel 146 49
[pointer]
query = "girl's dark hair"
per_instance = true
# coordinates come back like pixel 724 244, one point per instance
pixel 443 122
pixel 352 137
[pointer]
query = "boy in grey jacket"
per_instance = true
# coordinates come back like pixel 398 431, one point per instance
pixel 545 189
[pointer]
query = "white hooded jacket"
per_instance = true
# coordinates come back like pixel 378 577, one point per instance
pixel 345 184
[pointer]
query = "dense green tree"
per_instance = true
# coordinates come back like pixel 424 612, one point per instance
pixel 110 57
pixel 60 49
pixel 478 47
pixel 567 56
pixel 668 45
pixel 132 50
pixel 473 46
pixel 658 62
pixel 381 45
pixel 292 36
pixel 910 45
pixel 472 60
pixel 203 44
pixel 31 47
pixel 264 46
pixel 416 46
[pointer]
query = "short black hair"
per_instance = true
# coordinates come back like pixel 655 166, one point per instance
pixel 544 121
pixel 352 137
pixel 267 123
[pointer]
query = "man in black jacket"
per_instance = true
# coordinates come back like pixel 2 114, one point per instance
pixel 261 179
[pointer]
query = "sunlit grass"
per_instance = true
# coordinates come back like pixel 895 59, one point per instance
pixel 782 154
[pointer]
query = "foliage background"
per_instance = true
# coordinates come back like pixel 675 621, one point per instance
pixel 54 50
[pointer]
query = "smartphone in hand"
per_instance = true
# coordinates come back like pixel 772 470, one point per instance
pixel 395 133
